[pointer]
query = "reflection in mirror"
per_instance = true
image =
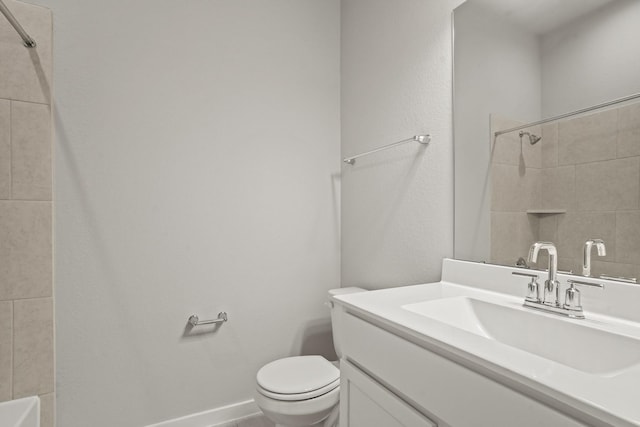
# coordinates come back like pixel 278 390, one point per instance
pixel 568 180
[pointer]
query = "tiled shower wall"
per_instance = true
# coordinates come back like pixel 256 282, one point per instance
pixel 588 166
pixel 26 283
pixel 515 188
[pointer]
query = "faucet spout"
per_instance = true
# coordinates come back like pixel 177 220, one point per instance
pixel 551 284
pixel 586 259
pixel 551 301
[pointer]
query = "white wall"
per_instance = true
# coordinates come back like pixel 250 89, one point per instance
pixel 197 151
pixel 497 71
pixel 593 60
pixel 397 205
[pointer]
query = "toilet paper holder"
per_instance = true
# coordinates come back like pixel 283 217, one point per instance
pixel 195 321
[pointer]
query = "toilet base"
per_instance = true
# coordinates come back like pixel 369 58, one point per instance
pixel 323 423
pixel 331 421
pixel 306 413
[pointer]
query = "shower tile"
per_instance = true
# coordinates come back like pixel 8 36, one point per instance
pixel 549 146
pixel 512 233
pixel 26 73
pixel 564 264
pixel 33 347
pixel 31 151
pixel 5 149
pixel 575 228
pixel 608 185
pixel 508 149
pixel 6 349
pixel 627 237
pixel 25 249
pixel 567 264
pixel 559 186
pixel 514 189
pixel 588 139
pixel 47 410
pixel 531 154
pixel 505 150
pixel 612 268
pixel 629 131
pixel 548 228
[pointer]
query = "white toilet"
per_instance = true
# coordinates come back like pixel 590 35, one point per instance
pixel 303 391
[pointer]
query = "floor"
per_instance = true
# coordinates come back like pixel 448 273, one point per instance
pixel 257 420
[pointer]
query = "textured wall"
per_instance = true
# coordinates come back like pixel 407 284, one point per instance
pixel 26 282
pixel 593 60
pixel 497 72
pixel 397 205
pixel 197 150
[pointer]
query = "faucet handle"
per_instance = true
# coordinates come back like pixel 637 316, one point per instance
pixel 533 294
pixel 572 295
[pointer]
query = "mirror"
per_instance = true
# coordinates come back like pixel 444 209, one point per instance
pixel 566 181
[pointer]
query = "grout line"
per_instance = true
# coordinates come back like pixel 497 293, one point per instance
pixel 26 200
pixel 11 149
pixel 13 348
pixel 26 102
pixel 28 298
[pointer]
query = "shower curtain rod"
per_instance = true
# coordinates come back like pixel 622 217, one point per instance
pixel 28 41
pixel 571 114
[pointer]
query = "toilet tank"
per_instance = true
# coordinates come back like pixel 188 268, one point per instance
pixel 336 316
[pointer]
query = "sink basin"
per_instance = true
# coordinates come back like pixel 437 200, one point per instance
pixel 20 412
pixel 567 342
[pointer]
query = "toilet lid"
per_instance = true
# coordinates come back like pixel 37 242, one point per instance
pixel 298 375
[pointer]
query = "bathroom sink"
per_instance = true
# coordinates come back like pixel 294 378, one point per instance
pixel 474 317
pixel 569 342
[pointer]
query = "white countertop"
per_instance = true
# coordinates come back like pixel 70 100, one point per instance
pixel 606 399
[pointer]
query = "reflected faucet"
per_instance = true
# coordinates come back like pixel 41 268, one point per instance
pixel 586 259
pixel 551 284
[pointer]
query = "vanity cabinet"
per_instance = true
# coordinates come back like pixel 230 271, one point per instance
pixel 390 380
pixel 366 403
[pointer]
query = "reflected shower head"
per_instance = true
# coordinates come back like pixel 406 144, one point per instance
pixel 532 138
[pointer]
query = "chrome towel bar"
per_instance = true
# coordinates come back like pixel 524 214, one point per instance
pixel 422 139
pixel 195 321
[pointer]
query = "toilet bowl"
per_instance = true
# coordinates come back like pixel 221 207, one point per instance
pixel 303 391
pixel 298 391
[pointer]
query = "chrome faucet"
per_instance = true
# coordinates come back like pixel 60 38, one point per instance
pixel 550 302
pixel 586 259
pixel 551 284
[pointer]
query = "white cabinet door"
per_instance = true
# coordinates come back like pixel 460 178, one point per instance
pixel 366 403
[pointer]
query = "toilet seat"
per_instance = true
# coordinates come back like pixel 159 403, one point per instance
pixel 300 396
pixel 297 378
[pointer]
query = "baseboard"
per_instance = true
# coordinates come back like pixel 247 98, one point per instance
pixel 213 416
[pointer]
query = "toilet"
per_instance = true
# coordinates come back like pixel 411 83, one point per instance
pixel 303 391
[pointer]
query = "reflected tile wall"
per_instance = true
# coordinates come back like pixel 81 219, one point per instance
pixel 629 131
pixel 549 145
pixel 589 167
pixel 26 247
pixel 515 187
pixel 588 139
